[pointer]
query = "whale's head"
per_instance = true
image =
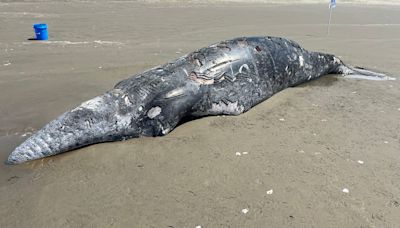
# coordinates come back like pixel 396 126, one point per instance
pixel 109 117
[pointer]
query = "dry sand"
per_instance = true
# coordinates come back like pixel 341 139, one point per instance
pixel 306 143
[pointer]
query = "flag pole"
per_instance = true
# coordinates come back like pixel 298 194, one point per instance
pixel 332 5
pixel 330 17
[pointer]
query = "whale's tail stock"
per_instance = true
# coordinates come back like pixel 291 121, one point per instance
pixel 362 73
pixel 337 66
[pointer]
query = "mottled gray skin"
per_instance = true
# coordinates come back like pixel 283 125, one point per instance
pixel 227 78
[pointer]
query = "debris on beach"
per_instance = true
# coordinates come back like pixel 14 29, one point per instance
pixel 107 42
pixel 245 210
pixel 282 119
pixel 345 190
pixel 360 162
pixel 67 42
pixel 269 192
pixel 26 134
pixel 241 153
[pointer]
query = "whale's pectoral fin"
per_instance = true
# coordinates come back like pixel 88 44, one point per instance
pixel 362 73
pixel 167 110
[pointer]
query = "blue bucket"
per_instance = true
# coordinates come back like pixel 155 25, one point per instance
pixel 41 31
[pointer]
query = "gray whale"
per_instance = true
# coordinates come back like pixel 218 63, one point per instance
pixel 226 78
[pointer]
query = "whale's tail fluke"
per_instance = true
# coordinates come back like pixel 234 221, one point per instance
pixel 94 121
pixel 362 73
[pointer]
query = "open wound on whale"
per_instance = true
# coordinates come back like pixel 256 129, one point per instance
pixel 201 80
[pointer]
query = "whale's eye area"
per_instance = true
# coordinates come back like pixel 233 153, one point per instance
pixel 258 48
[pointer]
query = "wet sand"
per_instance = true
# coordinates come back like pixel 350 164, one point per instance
pixel 306 143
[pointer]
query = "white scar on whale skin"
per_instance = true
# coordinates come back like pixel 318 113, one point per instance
pixel 230 108
pixel 301 60
pixel 175 93
pixel 336 60
pixel 244 66
pixel 93 104
pixel 153 112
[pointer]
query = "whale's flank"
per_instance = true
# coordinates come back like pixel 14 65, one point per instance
pixel 229 78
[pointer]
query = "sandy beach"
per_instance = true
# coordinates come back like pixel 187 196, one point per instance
pixel 285 163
